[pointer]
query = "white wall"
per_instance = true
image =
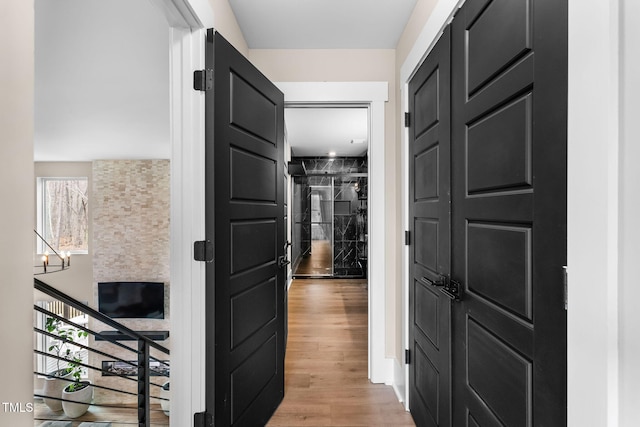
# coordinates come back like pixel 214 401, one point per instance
pixel 225 23
pixel 16 215
pixel 102 80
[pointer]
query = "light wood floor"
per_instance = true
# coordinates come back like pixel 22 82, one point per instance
pixel 326 365
pixel 319 262
pixel 119 417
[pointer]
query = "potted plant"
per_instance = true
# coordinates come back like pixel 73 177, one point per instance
pixel 80 392
pixel 58 379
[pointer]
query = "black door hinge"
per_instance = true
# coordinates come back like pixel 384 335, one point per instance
pixel 202 419
pixel 407 357
pixel 203 80
pixel 407 120
pixel 203 251
pixel 407 237
pixel 565 282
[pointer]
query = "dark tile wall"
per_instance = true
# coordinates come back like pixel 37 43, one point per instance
pixel 301 233
pixel 350 210
pixel 335 165
pixel 350 227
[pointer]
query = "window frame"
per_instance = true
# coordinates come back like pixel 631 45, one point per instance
pixel 41 247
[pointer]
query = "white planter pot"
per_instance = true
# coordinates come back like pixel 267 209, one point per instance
pixel 53 388
pixel 82 397
pixel 165 394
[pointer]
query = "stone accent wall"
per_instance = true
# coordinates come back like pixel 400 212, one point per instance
pixel 131 202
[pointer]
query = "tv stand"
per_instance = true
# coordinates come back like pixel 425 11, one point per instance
pixel 119 336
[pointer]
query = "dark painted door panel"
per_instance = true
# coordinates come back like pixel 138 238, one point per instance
pixel 245 219
pixel 429 206
pixel 487 208
pixel 509 212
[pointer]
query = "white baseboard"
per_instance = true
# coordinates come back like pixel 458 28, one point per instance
pixel 399 380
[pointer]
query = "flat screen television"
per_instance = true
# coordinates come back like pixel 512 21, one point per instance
pixel 131 300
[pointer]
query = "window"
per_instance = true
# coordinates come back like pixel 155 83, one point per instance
pixel 62 214
pixel 46 365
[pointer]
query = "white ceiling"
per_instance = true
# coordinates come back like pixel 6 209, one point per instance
pixel 322 24
pixel 318 131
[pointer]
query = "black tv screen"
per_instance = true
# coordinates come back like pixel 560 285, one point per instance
pixel 131 300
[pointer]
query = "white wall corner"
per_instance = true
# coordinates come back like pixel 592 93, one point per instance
pixel 442 14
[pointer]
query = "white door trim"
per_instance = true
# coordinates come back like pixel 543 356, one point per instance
pixel 187 225
pixel 594 144
pixel 186 13
pixel 188 20
pixel 374 94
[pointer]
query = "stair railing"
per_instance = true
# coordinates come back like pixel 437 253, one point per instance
pixel 141 365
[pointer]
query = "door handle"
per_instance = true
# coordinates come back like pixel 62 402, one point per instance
pixel 452 290
pixel 440 282
pixel 283 261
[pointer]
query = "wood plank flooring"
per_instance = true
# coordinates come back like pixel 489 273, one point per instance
pixel 326 380
pixel 319 262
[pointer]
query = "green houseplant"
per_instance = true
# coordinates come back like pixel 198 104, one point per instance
pixel 80 392
pixel 81 395
pixel 57 380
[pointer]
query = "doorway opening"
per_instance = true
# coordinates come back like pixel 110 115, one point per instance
pixel 126 165
pixel 373 95
pixel 329 211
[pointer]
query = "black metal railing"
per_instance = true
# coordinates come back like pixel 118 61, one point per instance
pixel 140 368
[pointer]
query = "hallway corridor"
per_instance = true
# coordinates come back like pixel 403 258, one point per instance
pixel 326 362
